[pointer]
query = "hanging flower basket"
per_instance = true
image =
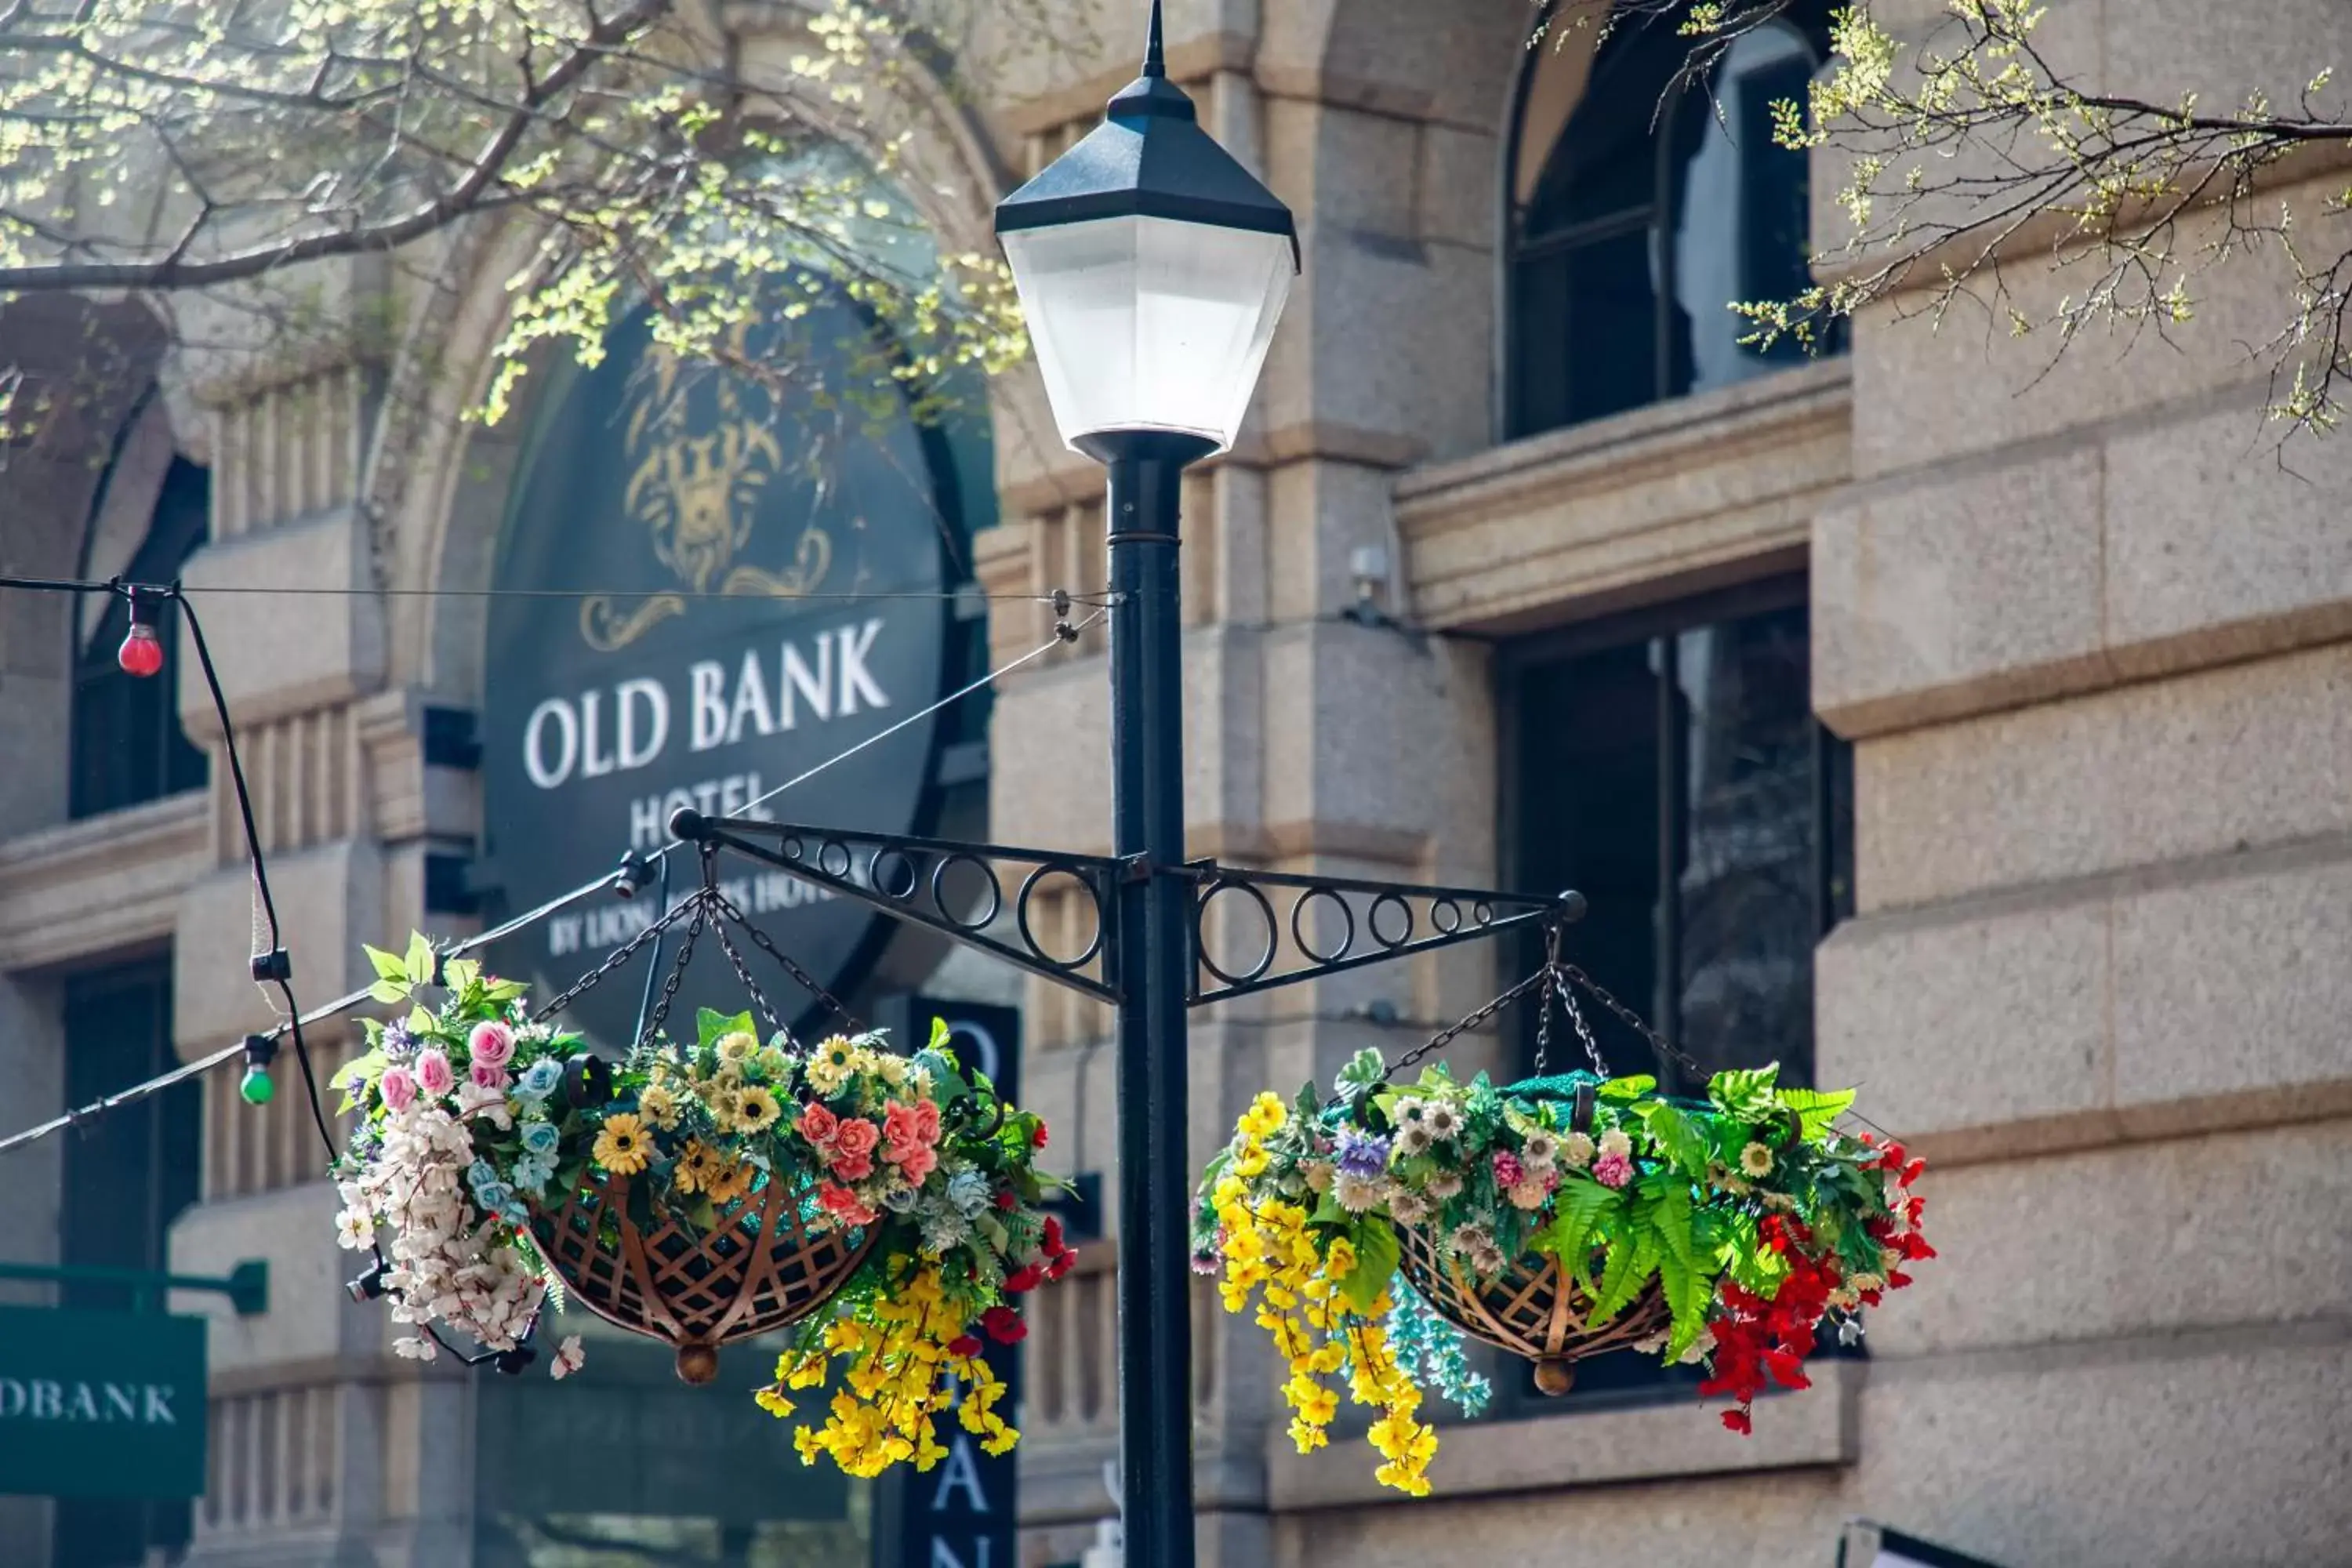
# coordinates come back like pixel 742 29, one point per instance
pixel 1557 1218
pixel 885 1207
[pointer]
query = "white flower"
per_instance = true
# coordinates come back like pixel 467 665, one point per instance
pixel 1444 1184
pixel 1700 1348
pixel 1755 1159
pixel 1615 1142
pixel 1488 1259
pixel 1443 1122
pixel 1409 1207
pixel 568 1357
pixel 1577 1149
pixel 1413 1139
pixel 1358 1195
pixel 415 1347
pixel 1529 1194
pixel 484 1104
pixel 1540 1148
pixel 354 1230
pixel 1409 1112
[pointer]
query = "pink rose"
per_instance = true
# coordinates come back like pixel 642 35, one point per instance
pixel 818 1125
pixel 432 1074
pixel 490 1045
pixel 918 1160
pixel 926 1121
pixel 1612 1170
pixel 858 1137
pixel 489 1074
pixel 397 1088
pixel 852 1167
pixel 898 1125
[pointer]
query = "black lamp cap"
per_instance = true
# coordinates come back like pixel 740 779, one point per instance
pixel 1149 158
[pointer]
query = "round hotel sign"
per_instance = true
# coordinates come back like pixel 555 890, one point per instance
pixel 723 585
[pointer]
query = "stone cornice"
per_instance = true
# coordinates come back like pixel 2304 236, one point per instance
pixel 101 885
pixel 1602 515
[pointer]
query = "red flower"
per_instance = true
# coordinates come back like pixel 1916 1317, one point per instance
pixel 965 1345
pixel 1898 1279
pixel 1054 1248
pixel 1006 1200
pixel 1911 1173
pixel 857 1136
pixel 1063 1263
pixel 1004 1325
pixel 1037 1139
pixel 1023 1280
pixel 1786 1370
pixel 1738 1421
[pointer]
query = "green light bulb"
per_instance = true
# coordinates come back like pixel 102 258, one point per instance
pixel 257 1088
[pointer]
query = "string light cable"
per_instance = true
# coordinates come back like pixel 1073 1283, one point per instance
pixel 271 968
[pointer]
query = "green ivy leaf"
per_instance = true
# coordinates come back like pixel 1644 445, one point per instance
pixel 709 1024
pixel 1815 1109
pixel 504 990
pixel 359 1068
pixel 388 965
pixel 388 990
pixel 941 1036
pixel 1744 1092
pixel 1626 1088
pixel 462 973
pixel 1376 1264
pixel 418 963
pixel 1364 1075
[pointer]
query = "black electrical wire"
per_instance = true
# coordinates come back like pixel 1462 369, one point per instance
pixel 291 1026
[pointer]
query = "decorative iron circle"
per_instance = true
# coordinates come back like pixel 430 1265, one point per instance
pixel 1265 959
pixel 1446 916
pixel 1021 915
pixel 939 892
pixel 1482 912
pixel 825 857
pixel 1347 922
pixel 1373 921
pixel 792 848
pixel 883 882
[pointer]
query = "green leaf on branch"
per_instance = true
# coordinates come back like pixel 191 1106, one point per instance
pixel 1376 1264
pixel 387 965
pixel 420 961
pixel 1815 1109
pixel 1632 1087
pixel 461 972
pixel 388 990
pixel 369 1068
pixel 1632 1259
pixel 1745 1092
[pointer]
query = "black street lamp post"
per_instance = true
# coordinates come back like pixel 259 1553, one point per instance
pixel 1153 268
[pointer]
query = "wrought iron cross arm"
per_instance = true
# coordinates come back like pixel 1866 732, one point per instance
pixel 956 888
pixel 1337 923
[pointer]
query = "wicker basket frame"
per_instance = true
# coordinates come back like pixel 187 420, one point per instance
pixel 1533 1309
pixel 761 1267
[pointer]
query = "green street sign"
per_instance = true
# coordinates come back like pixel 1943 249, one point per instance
pixel 101 1403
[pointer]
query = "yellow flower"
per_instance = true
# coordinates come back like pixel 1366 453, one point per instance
pixel 725 1101
pixel 829 1070
pixel 1756 1160
pixel 1265 1117
pixel 772 1401
pixel 1250 1160
pixel 657 1105
pixel 756 1110
pixel 695 1166
pixel 1341 1261
pixel 726 1183
pixel 893 1069
pixel 735 1047
pixel 774 1064
pixel 622 1146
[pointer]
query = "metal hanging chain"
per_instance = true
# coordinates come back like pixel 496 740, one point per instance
pixel 801 977
pixel 700 902
pixel 742 969
pixel 613 961
pixel 1446 1037
pixel 1627 1016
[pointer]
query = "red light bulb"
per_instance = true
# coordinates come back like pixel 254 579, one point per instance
pixel 142 653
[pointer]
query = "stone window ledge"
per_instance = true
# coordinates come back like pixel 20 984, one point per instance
pixel 1654 1442
pixel 101 883
pixel 1693 493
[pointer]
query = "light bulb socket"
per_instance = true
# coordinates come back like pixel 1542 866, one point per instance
pixel 275 964
pixel 260 1050
pixel 369 1284
pixel 635 875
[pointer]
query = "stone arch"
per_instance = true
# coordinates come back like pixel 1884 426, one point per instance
pixel 441 509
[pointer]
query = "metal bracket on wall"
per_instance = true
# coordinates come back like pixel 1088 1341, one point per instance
pixel 1240 944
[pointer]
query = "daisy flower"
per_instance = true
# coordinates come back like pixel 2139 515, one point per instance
pixel 622 1146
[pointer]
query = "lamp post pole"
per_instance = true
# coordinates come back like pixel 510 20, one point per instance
pixel 1155 971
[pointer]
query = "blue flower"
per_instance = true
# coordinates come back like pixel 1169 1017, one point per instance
pixel 398 1043
pixel 494 1197
pixel 538 1080
pixel 479 1172
pixel 533 1172
pixel 539 1137
pixel 1361 1153
pixel 968 1190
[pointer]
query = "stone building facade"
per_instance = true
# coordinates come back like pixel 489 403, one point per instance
pixel 1963 726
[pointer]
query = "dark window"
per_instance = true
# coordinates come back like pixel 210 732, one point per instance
pixel 1667 765
pixel 128 746
pixel 126 1174
pixel 1641 213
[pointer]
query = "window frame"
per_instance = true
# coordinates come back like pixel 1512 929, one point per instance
pixel 1652 218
